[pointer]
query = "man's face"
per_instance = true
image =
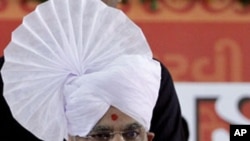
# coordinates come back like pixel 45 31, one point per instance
pixel 117 126
pixel 112 3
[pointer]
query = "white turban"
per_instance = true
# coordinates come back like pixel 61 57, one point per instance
pixel 69 61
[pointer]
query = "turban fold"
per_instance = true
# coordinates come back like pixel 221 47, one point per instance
pixel 69 61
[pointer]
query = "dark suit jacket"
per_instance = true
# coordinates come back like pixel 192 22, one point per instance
pixel 167 122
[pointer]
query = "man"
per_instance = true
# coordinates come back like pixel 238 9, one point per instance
pixel 172 118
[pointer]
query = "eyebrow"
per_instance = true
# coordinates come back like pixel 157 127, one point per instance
pixel 105 128
pixel 132 126
pixel 101 128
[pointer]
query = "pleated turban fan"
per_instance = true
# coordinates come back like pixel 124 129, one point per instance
pixel 69 61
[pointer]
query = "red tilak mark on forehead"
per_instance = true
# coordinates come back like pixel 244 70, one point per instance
pixel 114 117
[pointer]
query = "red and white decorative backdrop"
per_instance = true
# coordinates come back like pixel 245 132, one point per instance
pixel 205 44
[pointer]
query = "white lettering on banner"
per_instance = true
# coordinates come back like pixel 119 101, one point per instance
pixel 219 134
pixel 227 97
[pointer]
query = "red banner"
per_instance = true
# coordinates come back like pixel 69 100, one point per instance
pixel 197 40
pixel 201 51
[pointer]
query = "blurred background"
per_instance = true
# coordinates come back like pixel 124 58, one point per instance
pixel 205 45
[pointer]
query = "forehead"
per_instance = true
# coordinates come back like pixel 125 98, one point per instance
pixel 114 119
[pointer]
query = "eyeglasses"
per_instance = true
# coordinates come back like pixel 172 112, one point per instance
pixel 128 135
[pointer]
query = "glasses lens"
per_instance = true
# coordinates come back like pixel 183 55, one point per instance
pixel 131 135
pixel 128 135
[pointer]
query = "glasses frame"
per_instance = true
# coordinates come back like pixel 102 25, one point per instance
pixel 112 135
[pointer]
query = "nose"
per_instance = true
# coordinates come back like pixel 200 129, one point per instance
pixel 118 137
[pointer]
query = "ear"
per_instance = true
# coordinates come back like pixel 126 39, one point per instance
pixel 150 136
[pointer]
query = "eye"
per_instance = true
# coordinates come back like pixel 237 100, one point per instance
pixel 131 134
pixel 101 136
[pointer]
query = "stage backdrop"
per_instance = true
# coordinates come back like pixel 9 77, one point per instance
pixel 204 44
